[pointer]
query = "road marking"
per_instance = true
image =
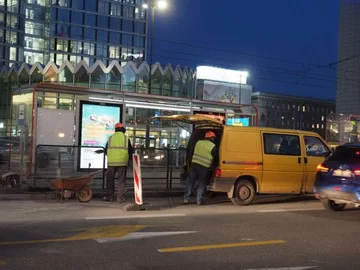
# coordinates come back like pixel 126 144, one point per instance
pixel 288 210
pixel 285 268
pixel 218 246
pixel 135 216
pixel 90 233
pixel 2 262
pixel 140 235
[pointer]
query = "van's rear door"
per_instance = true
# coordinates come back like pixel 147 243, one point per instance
pixel 197 120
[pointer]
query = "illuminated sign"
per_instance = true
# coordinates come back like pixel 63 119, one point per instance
pixel 241 122
pixel 97 123
pixel 221 75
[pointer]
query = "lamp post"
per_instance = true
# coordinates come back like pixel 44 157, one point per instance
pixel 154 4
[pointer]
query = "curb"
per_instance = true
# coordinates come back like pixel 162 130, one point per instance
pixel 25 195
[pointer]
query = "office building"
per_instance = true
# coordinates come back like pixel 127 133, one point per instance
pixel 293 112
pixel 72 30
pixel 348 75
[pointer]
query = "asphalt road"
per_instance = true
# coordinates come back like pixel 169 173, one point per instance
pixel 193 237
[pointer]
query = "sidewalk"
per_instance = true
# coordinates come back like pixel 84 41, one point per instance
pixel 71 210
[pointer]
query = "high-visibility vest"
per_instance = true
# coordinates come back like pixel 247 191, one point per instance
pixel 117 150
pixel 202 153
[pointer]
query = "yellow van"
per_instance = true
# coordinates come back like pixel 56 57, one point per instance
pixel 258 160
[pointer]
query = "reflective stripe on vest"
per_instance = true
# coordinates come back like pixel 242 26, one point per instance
pixel 117 150
pixel 202 153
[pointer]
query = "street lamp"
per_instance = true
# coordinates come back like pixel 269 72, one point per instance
pixel 161 5
pixel 154 4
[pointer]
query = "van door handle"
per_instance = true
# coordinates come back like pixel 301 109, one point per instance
pixel 305 160
pixel 299 160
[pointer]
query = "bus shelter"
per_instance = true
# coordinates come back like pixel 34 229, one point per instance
pixel 70 117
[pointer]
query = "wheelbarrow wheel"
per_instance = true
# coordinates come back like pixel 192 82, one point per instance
pixel 84 195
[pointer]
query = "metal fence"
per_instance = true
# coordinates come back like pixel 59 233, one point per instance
pixel 161 167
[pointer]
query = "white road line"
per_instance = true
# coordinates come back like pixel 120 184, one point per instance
pixel 140 235
pixel 288 210
pixel 135 216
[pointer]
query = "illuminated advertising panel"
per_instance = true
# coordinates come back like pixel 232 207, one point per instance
pixel 96 124
pixel 241 122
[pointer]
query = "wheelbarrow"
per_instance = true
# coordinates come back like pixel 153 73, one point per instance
pixel 78 185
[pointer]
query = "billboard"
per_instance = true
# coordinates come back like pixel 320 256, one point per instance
pixel 96 124
pixel 221 92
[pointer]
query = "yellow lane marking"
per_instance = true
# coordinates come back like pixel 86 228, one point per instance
pixel 218 246
pixel 91 233
pixel 2 262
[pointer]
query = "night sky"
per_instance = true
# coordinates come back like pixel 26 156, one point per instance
pixel 285 45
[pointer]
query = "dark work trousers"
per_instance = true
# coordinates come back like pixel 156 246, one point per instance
pixel 116 188
pixel 197 173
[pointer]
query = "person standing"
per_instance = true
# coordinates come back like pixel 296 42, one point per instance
pixel 118 150
pixel 202 161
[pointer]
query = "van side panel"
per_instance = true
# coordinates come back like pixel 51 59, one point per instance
pixel 241 153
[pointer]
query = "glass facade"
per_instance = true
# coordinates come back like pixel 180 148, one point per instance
pixel 72 30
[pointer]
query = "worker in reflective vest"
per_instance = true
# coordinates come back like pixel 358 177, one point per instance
pixel 202 161
pixel 118 150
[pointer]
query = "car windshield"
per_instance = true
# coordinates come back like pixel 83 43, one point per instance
pixel 346 153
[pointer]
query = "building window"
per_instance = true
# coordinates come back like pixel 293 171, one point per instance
pixel 89 34
pixel 78 4
pixel 104 7
pixel 11 37
pixel 103 21
pixel 127 40
pixel 128 11
pixel 115 23
pixel 90 20
pixel 90 5
pixel 322 118
pixel 12 56
pixel 139 41
pixel 140 27
pixel 77 17
pixel 115 38
pixel 128 26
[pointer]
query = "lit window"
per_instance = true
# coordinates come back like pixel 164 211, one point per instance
pixel 322 118
pixel 322 126
pixel 313 126
pixel 317 126
pixel 303 108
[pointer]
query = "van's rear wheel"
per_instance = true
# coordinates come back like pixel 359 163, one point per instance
pixel 244 193
pixel 331 205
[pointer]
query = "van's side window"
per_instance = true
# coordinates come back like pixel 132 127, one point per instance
pixel 315 147
pixel 280 144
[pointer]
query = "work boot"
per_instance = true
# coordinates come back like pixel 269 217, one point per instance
pixel 108 198
pixel 120 199
pixel 201 202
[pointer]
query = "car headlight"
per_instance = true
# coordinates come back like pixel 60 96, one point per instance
pixel 146 157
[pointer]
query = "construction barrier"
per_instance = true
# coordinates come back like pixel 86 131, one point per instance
pixel 137 179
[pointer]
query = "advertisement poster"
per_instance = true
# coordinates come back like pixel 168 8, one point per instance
pixel 221 92
pixel 241 122
pixel 97 124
